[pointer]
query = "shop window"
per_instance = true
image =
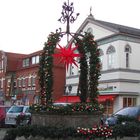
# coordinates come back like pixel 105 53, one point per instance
pixel 128 101
pixel 108 107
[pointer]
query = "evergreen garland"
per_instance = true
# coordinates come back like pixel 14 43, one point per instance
pixel 94 67
pixel 89 75
pixel 45 69
pixel 83 82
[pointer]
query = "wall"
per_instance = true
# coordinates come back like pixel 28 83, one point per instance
pixel 74 120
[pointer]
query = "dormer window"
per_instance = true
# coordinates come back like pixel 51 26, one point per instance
pixel 25 62
pixel 35 59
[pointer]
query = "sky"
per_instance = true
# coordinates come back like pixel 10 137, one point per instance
pixel 26 24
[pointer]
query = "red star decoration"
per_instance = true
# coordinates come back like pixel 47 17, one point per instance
pixel 67 55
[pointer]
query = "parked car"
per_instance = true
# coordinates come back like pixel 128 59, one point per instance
pixel 127 111
pixel 18 115
pixel 3 111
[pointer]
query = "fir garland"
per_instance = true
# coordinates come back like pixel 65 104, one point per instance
pixel 94 67
pixel 45 69
pixel 83 82
pixel 88 79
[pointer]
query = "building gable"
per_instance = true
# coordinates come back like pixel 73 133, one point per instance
pixel 99 30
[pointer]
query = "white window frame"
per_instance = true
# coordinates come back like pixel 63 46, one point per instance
pixel 111 56
pixel 35 59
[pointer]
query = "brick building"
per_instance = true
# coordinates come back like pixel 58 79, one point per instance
pixel 19 78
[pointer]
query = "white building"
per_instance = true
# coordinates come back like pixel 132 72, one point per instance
pixel 119 85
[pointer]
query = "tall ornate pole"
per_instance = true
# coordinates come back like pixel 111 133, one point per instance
pixel 67 16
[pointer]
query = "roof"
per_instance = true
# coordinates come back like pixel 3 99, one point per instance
pixel 116 28
pixel 121 28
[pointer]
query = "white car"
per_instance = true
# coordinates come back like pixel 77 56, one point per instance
pixel 17 111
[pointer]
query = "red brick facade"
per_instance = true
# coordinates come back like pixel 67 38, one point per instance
pixel 19 81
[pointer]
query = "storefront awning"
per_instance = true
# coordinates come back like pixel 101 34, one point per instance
pixel 103 98
pixel 76 99
pixel 68 99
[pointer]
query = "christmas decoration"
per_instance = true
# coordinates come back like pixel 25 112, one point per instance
pixel 45 69
pixel 89 71
pixel 67 55
pixel 95 132
pixel 69 109
pixel 89 60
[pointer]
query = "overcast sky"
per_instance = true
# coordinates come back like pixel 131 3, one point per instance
pixel 26 24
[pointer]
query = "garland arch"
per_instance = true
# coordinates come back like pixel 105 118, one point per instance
pixel 89 71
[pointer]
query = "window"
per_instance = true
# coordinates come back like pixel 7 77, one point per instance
pixel 127 51
pixel 29 81
pixel 8 82
pixel 35 59
pixel 101 58
pixel 19 82
pixel 15 83
pixel 129 101
pixel 111 57
pixel 1 64
pixel 26 62
pixel 16 109
pixel 90 30
pixel 23 82
pixel 2 81
pixel 33 80
pixel 71 70
pixel 127 60
pixel 36 99
pixel 127 48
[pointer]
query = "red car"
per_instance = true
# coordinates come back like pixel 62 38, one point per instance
pixel 3 110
